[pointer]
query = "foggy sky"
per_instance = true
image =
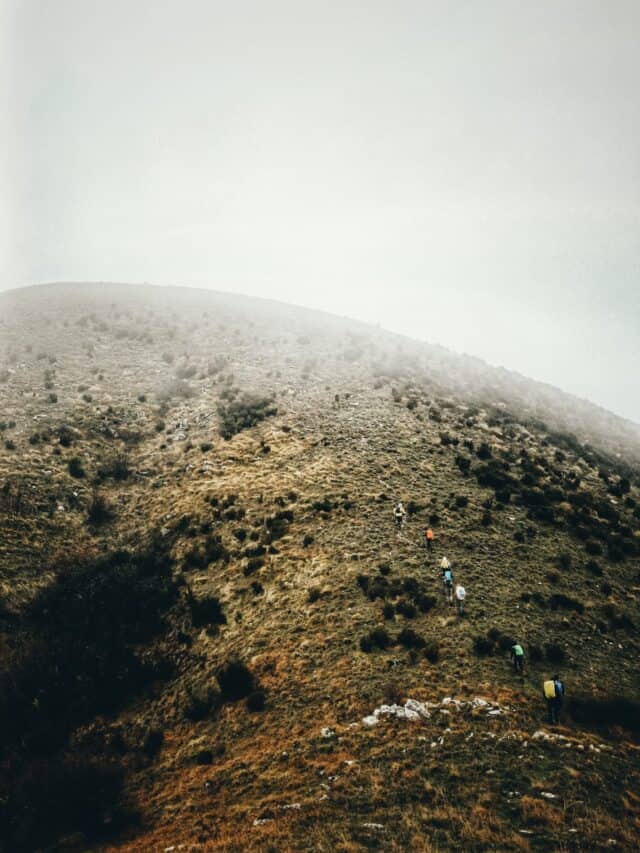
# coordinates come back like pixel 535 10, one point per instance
pixel 462 172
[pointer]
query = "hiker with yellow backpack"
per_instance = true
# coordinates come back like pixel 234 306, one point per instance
pixel 553 691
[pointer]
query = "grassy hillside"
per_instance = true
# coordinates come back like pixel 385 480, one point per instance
pixel 204 598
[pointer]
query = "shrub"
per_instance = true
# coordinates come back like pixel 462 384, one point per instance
pixel 605 713
pixel 152 741
pixel 308 540
pixel 487 518
pixel 461 501
pixel 78 642
pixel 494 475
pixel 378 637
pixel 256 700
pixel 594 568
pixel 116 468
pixel 381 638
pixel 366 643
pixel 9 444
pixel 211 552
pixel 564 561
pixel 554 653
pixel 206 610
pixel 202 700
pixel 484 451
pixel 206 446
pixel 482 646
pixel 505 641
pixel 426 602
pixel 558 601
pixel 388 611
pixel 593 548
pixel 406 609
pixel 252 566
pixel 175 388
pixel 244 413
pixel 410 640
pixel 75 467
pixel 536 655
pixel 325 505
pixel 52 398
pixel 99 510
pixel 46 798
pixel 432 651
pixel 313 595
pixel 236 680
pixel 617 619
pixel 463 463
pixel 278 525
pixel 446 439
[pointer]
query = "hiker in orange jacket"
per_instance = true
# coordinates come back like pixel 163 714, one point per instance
pixel 428 537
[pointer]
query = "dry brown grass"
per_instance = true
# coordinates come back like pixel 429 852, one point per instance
pixel 306 655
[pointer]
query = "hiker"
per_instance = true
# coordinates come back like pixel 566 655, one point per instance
pixel 444 564
pixel 447 582
pixel 553 691
pixel 399 514
pixel 428 536
pixel 517 656
pixel 461 594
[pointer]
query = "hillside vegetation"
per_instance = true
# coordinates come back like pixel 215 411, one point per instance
pixel 212 636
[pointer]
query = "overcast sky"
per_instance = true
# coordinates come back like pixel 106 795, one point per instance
pixel 463 172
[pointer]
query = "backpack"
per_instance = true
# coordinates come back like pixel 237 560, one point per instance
pixel 448 577
pixel 549 689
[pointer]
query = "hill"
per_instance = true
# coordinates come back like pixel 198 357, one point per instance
pixel 205 599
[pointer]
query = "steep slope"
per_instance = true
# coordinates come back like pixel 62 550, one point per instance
pixel 251 604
